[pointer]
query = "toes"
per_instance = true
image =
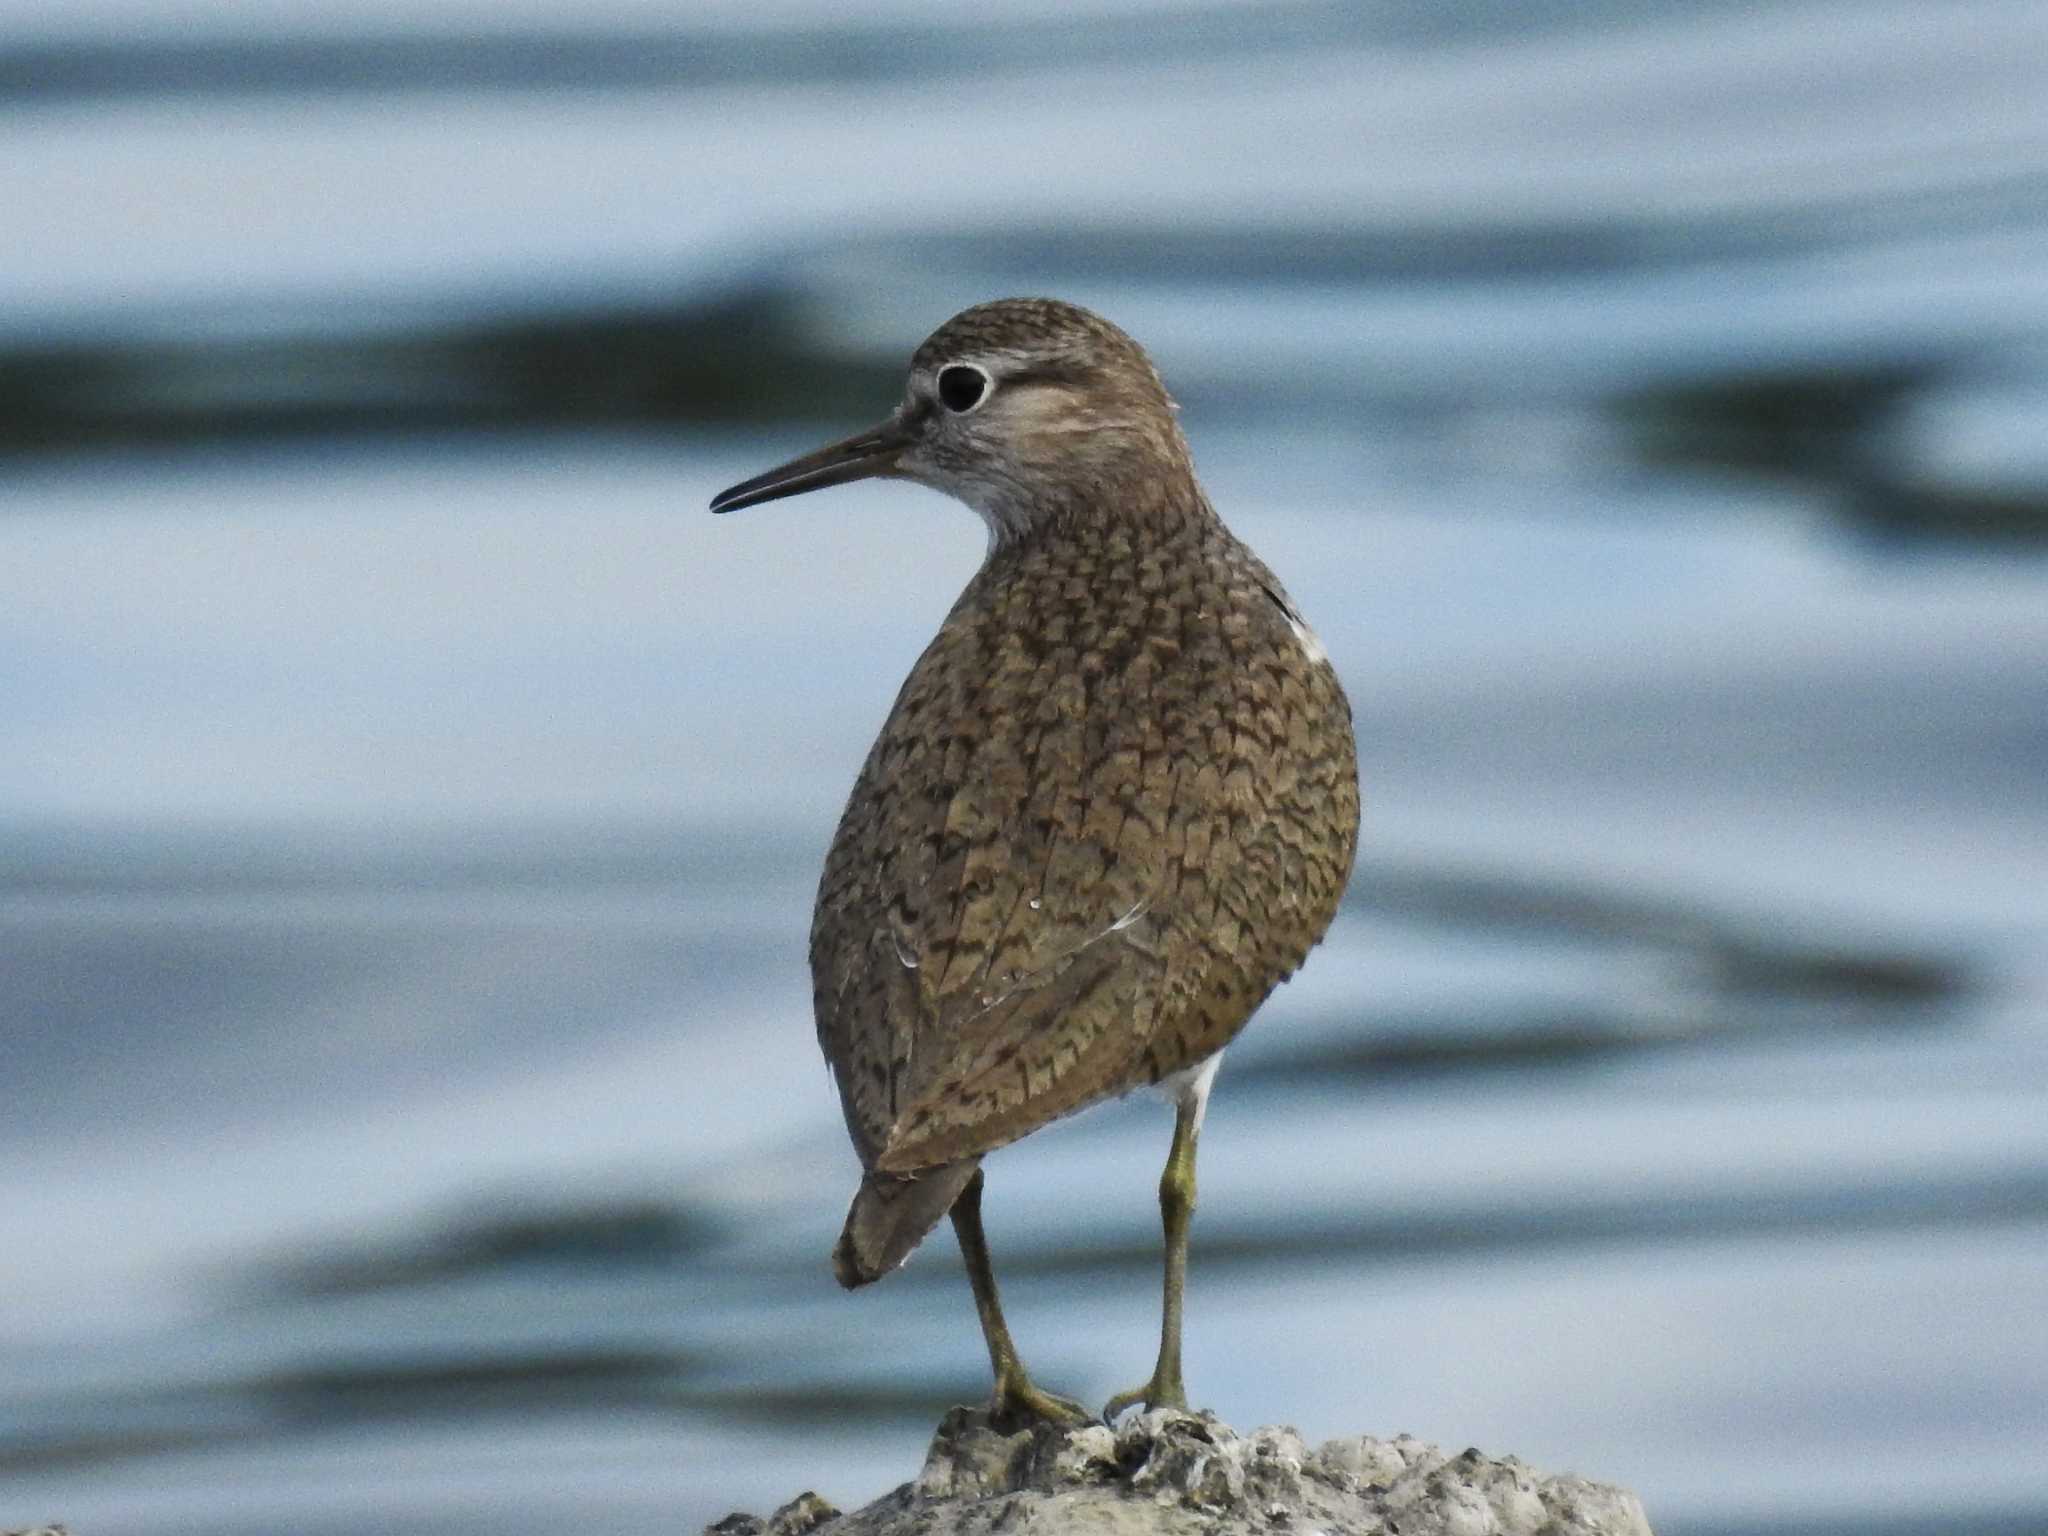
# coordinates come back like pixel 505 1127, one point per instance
pixel 1123 1403
pixel 1022 1403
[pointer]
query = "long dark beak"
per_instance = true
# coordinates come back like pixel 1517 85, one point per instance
pixel 859 457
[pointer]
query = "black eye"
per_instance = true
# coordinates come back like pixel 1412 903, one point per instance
pixel 961 388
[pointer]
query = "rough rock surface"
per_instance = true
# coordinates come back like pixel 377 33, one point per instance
pixel 1167 1472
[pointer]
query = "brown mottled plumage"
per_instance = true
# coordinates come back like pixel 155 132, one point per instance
pixel 1114 806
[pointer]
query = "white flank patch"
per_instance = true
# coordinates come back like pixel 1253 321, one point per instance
pixel 1311 643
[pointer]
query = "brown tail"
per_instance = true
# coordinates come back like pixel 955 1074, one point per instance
pixel 890 1216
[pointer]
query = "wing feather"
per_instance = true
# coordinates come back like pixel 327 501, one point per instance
pixel 1050 876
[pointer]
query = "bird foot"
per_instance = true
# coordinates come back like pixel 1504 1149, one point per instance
pixel 1154 1394
pixel 1018 1403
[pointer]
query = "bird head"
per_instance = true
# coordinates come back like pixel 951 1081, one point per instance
pixel 1027 410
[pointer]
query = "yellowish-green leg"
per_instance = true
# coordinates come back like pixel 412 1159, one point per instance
pixel 1016 1400
pixel 1176 1209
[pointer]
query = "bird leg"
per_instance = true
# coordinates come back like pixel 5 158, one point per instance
pixel 1016 1400
pixel 1176 1209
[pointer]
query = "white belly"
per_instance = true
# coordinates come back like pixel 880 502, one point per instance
pixel 1189 1087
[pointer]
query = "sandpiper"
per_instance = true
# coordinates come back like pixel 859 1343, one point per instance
pixel 1114 806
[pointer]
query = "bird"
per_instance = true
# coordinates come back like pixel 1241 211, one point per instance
pixel 1114 805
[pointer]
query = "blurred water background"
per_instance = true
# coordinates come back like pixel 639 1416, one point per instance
pixel 410 798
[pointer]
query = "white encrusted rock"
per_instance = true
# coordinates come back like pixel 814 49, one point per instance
pixel 1165 1473
pixel 1088 1456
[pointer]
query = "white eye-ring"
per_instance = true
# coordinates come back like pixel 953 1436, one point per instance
pixel 963 386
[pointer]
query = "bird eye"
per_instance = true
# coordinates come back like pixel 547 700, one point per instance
pixel 962 387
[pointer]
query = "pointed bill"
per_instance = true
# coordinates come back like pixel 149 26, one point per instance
pixel 860 457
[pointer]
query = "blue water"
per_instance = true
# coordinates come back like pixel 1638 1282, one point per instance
pixel 409 1110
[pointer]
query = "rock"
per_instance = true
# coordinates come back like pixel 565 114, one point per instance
pixel 1166 1473
pixel 799 1517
